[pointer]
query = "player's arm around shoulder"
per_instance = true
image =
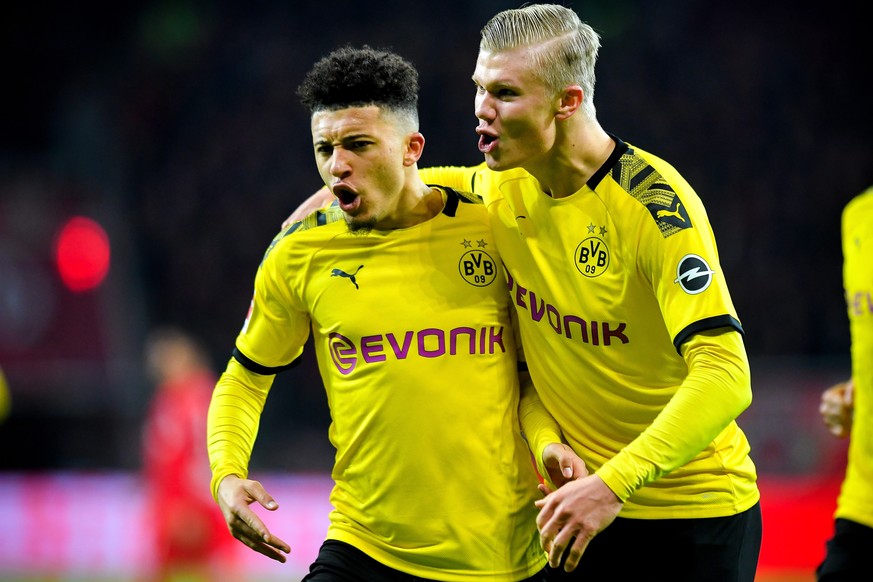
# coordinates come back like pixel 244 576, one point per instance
pixel 315 201
pixel 461 178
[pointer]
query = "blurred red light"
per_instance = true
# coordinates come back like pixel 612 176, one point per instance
pixel 82 254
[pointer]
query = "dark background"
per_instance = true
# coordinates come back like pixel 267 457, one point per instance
pixel 176 126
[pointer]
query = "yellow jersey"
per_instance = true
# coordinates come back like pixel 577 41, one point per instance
pixel 610 284
pixel 856 496
pixel 416 349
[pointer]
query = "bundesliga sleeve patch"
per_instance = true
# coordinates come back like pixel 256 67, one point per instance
pixel 693 274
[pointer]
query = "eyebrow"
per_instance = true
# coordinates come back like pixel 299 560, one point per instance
pixel 355 136
pixel 498 84
pixel 345 138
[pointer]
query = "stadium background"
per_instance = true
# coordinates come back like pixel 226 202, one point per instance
pixel 174 125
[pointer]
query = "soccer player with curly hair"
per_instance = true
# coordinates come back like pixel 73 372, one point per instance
pixel 404 295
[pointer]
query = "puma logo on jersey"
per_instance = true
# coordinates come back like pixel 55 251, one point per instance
pixel 646 185
pixel 671 219
pixel 350 277
pixel 675 213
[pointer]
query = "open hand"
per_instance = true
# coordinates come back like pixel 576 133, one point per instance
pixel 234 497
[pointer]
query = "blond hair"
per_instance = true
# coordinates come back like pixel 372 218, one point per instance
pixel 564 49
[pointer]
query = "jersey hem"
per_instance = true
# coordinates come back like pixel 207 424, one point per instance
pixel 433 573
pixel 690 511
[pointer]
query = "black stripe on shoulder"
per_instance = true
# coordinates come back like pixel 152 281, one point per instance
pixel 315 219
pixel 455 197
pixel 452 202
pixel 469 197
pixel 609 164
pixel 639 179
pixel 257 368
pixel 320 217
pixel 293 228
pixel 706 324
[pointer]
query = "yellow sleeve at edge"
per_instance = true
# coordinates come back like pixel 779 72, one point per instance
pixel 233 421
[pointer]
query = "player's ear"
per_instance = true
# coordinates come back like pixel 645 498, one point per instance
pixel 571 101
pixel 414 148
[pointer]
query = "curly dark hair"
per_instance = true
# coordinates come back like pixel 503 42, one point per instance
pixel 356 77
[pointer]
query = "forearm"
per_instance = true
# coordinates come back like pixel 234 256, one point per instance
pixel 233 421
pixel 537 425
pixel 716 390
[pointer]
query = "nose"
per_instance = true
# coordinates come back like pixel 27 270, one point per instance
pixel 484 108
pixel 339 163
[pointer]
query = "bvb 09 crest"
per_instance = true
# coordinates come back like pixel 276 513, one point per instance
pixel 477 268
pixel 592 257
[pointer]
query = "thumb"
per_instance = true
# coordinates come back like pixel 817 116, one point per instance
pixel 260 495
pixel 567 468
pixel 268 502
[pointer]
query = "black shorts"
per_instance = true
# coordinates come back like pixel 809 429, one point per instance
pixel 714 549
pixel 341 562
pixel 849 553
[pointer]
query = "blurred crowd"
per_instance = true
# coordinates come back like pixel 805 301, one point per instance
pixel 177 123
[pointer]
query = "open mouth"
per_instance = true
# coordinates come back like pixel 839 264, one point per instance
pixel 348 198
pixel 487 142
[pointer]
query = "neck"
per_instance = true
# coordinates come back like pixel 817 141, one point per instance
pixel 418 204
pixel 580 149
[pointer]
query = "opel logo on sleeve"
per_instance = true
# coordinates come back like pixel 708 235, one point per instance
pixel 693 274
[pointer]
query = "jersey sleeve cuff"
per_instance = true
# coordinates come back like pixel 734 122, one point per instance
pixel 613 479
pixel 220 474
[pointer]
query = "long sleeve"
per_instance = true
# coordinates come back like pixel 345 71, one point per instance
pixel 537 425
pixel 716 390
pixel 233 421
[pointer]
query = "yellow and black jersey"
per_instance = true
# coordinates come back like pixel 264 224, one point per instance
pixel 856 497
pixel 415 345
pixel 609 284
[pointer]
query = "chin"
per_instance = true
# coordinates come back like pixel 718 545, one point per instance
pixel 498 165
pixel 492 163
pixel 360 226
